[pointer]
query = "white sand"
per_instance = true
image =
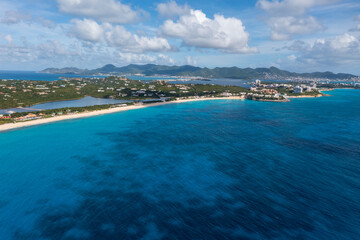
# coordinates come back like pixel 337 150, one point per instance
pixel 306 96
pixel 10 126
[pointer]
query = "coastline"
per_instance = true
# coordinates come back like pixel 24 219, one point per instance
pixel 12 126
pixel 307 96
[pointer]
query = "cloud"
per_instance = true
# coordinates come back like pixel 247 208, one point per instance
pixel 357 28
pixel 45 52
pixel 117 36
pixel 190 61
pixel 128 42
pixel 164 59
pixel 144 58
pixel 195 29
pixel 172 9
pixel 8 38
pixel 103 10
pixel 47 23
pixel 289 17
pixel 52 48
pixel 292 57
pixel 342 49
pixel 284 27
pixel 14 17
pixel 290 7
pixel 88 30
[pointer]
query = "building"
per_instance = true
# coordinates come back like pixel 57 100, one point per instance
pixel 257 82
pixel 298 89
pixel 309 89
pixel 253 89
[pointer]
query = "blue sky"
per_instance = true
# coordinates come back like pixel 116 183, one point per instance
pixel 296 35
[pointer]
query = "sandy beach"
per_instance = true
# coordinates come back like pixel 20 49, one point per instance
pixel 11 126
pixel 306 96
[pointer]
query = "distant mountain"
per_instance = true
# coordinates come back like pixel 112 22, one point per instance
pixel 187 70
pixel 67 70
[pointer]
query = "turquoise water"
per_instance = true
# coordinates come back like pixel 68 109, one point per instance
pixel 222 169
pixel 83 102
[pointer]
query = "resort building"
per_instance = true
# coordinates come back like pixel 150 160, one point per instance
pixel 298 89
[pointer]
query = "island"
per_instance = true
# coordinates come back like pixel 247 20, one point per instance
pixel 21 94
pixel 199 72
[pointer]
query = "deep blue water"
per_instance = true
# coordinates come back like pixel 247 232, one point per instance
pixel 32 75
pixel 221 169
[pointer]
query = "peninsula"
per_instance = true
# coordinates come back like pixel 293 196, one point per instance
pixel 20 94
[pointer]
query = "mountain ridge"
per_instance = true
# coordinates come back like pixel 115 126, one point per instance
pixel 188 70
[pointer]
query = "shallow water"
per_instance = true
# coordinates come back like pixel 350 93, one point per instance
pixel 221 169
pixel 83 102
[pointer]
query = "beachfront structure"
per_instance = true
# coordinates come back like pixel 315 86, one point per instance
pixel 298 89
pixel 253 89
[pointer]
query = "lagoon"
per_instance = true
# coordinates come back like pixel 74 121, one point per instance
pixel 83 102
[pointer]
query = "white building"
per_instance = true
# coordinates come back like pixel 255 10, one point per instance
pixel 298 89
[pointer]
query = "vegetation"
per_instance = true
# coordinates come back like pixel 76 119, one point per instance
pixel 16 93
pixel 3 121
pixel 187 70
pixel 338 85
pixel 21 93
pixel 61 111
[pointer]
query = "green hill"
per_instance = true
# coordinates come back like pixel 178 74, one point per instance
pixel 187 70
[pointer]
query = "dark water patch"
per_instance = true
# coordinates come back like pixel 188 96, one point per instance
pixel 115 215
pixel 240 170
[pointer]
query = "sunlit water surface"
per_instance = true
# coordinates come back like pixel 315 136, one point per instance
pixel 221 169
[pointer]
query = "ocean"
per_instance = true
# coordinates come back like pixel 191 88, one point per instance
pixel 32 75
pixel 220 169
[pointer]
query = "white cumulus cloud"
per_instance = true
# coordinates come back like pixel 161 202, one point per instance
pixel 117 36
pixel 282 28
pixel 88 30
pixel 342 49
pixel 197 30
pixel 289 17
pixel 172 9
pixel 120 37
pixel 103 10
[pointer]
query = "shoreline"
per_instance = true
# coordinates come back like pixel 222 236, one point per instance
pixel 17 125
pixel 307 96
pixel 11 126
